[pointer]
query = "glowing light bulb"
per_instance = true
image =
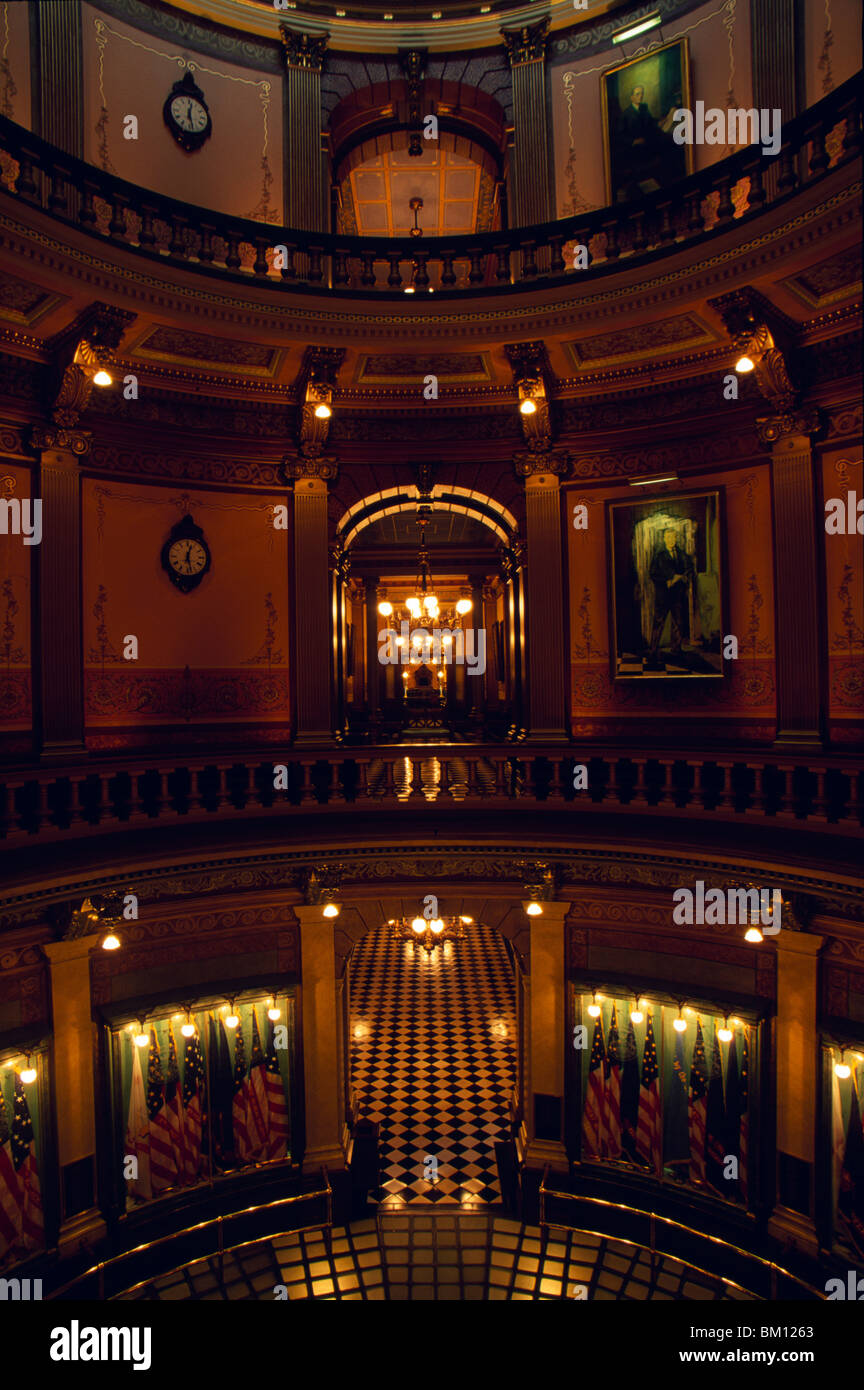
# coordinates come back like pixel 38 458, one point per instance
pixel 413 606
pixel 842 1070
pixel 28 1075
pixel 188 1029
pixel 744 364
pixel 418 925
pixel 753 935
pixel 323 411
pixel 437 926
pixel 101 378
pixel 385 609
pixel 724 1034
pixel 274 1014
pixel 636 1016
pixel 331 910
pixel 528 407
pixel 232 1021
pixel 680 1025
pixel 111 942
pixel 534 909
pixel 141 1040
pixel 464 606
pixel 594 1010
pixel 466 921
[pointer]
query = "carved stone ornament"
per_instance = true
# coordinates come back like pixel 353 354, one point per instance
pixel 303 50
pixel 528 44
pixel 296 466
pixel 529 462
pixel 56 437
pixel 771 428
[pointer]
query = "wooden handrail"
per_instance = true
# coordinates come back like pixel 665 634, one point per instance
pixel 164 228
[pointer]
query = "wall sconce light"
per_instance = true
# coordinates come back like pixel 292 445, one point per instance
pixel 745 364
pixel 188 1028
pixel 28 1073
pixel 725 1033
pixel 141 1039
pixel 594 1009
pixel 102 378
pixel 680 1023
pixel 232 1019
pixel 331 908
pixel 636 1014
pixel 111 942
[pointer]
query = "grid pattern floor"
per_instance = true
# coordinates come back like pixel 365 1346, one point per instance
pixel 437 1255
pixel 433 1062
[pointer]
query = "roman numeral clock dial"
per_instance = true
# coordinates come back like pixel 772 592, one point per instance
pixel 186 114
pixel 186 555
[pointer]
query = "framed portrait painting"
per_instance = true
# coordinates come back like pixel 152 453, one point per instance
pixel 667 582
pixel 640 98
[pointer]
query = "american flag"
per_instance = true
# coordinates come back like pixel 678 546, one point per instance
pixel 744 1096
pixel 238 1105
pixel 24 1158
pixel 257 1126
pixel 194 1099
pixel 174 1109
pixel 10 1188
pixel 163 1169
pixel 138 1131
pixel 698 1106
pixel 593 1125
pixel 613 1089
pixel 649 1130
pixel 715 1124
pixel 276 1107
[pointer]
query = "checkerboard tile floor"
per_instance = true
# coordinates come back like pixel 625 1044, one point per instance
pixel 433 1062
pixel 435 1254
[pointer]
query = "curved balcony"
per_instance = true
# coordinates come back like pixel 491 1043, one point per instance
pixel 735 190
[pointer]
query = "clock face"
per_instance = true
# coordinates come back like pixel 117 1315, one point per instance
pixel 189 114
pixel 187 557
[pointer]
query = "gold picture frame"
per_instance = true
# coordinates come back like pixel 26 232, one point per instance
pixel 637 137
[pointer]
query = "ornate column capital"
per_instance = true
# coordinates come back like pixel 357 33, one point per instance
pixel 772 428
pixel 60 438
pixel 528 463
pixel 79 352
pixel 303 50
pixel 296 467
pixel 528 44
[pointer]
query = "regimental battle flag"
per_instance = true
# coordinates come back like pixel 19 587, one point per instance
pixel 138 1131
pixel 613 1088
pixel 222 1082
pixel 850 1205
pixel 24 1159
pixel 630 1095
pixel 277 1109
pixel 715 1125
pixel 163 1168
pixel 242 1152
pixel 257 1126
pixel 698 1106
pixel 744 1098
pixel 676 1135
pixel 194 1101
pixel 174 1109
pixel 733 1112
pixel 593 1121
pixel 10 1188
pixel 649 1132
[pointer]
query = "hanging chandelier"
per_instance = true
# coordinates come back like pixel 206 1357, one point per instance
pixel 428 933
pixel 422 608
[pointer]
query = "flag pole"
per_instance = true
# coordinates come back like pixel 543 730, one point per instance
pixel 209 1104
pixel 662 1086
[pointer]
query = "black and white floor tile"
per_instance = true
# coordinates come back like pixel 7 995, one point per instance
pixel 433 1062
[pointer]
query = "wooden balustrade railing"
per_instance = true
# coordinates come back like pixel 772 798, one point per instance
pixel 174 232
pixel 816 793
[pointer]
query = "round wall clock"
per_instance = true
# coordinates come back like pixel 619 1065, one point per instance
pixel 186 555
pixel 186 114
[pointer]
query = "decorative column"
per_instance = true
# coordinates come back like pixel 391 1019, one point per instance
pixel 72 1060
pixel 544 1087
pixel 321 1062
pixel 373 665
pixel 546 638
pixel 798 1076
pixel 799 532
pixel 79 352
pixel 513 574
pixel 477 683
pixel 529 195
pixel 61 119
pixel 339 571
pixel 306 196
pixel 311 599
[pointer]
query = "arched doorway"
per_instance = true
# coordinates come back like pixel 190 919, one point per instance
pixel 433 1061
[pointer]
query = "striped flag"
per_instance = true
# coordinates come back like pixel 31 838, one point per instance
pixel 221 1092
pixel 630 1093
pixel 138 1132
pixel 593 1123
pixel 676 1136
pixel 10 1188
pixel 838 1140
pixel 24 1158
pixel 649 1129
pixel 851 1200
pixel 744 1099
pixel 174 1109
pixel 163 1169
pixel 257 1124
pixel 732 1136
pixel 698 1106
pixel 613 1088
pixel 238 1105
pixel 194 1099
pixel 277 1108
pixel 715 1124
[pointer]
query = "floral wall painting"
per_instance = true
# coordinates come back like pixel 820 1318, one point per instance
pixel 640 98
pixel 667 587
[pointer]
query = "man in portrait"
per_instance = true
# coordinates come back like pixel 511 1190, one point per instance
pixel 645 154
pixel 672 573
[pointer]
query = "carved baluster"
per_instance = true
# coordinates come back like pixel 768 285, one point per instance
pixel 725 207
pixel 57 197
pixel 421 278
pixel 697 792
pixel 394 279
pixel 253 796
pixel 757 800
pixel 639 239
pixel 668 796
pixel 177 246
pixel 260 266
pixel 75 812
pixel 86 210
pixel 448 274
pixel 340 268
pixel 818 156
pixel 26 184
pixel 613 250
pixel 788 177
pixel 529 261
pixel 666 233
pixel 639 796
pixel 106 809
pixel 166 801
pixel 475 276
pixel 389 779
pixel 367 261
pixel 194 800
pixel 314 273
pixel 146 236
pixel 205 250
pixel 223 795
pixel 726 800
pixel 556 261
pixel 851 140
pixel 502 270
pixel 756 196
pixel 232 255
pixel 308 791
pixel 136 804
pixel 554 791
pixel 336 791
pixel 43 815
pixel 819 809
pixel 853 807
pixel 289 269
pixel 364 780
pixel 787 798
pixel 695 218
pixel 117 225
